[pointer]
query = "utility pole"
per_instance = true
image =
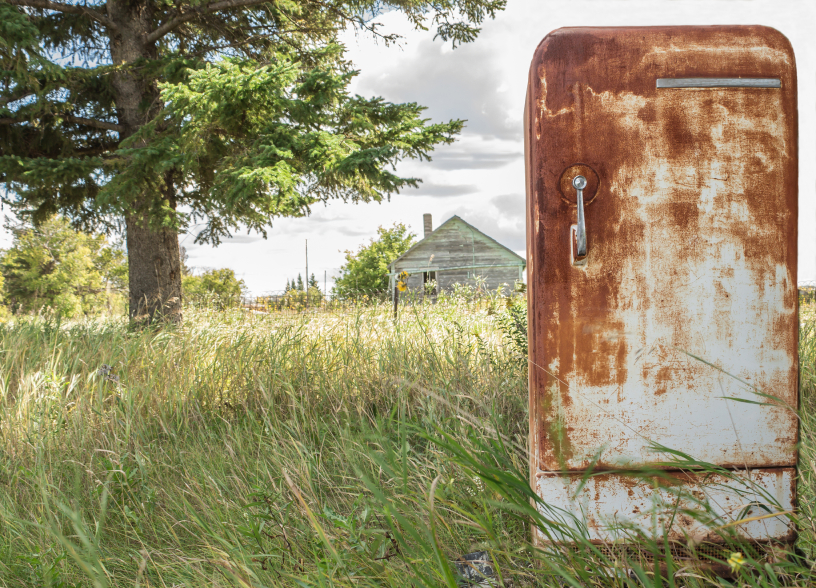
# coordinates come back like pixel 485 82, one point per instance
pixel 325 290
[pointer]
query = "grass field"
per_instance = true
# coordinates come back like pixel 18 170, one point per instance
pixel 323 450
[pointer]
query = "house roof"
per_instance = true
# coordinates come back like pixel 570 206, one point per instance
pixel 455 218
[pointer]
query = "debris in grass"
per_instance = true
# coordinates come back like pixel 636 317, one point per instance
pixel 476 569
pixel 105 371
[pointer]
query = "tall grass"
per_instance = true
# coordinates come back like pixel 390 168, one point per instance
pixel 315 450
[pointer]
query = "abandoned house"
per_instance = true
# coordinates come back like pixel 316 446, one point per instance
pixel 457 253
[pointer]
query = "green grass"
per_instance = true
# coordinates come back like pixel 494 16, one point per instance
pixel 322 450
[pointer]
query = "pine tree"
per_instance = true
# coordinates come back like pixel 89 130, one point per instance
pixel 150 114
pixel 313 282
pixel 288 286
pixel 300 287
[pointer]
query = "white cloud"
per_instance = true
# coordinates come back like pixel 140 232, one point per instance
pixel 460 84
pixel 441 190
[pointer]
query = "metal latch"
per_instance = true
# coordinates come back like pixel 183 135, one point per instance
pixel 580 238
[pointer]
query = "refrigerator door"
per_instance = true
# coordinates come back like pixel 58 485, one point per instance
pixel 685 302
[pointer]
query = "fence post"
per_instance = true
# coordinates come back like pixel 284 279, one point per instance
pixel 396 302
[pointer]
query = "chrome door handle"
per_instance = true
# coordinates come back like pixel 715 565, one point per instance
pixel 579 183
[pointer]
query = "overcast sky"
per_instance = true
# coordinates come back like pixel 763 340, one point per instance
pixel 481 176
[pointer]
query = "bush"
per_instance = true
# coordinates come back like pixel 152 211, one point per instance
pixel 218 288
pixel 53 266
pixel 297 299
pixel 513 323
pixel 366 271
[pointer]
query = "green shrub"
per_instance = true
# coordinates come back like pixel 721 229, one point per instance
pixel 53 267
pixel 218 288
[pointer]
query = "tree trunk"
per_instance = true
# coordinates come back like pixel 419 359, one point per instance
pixel 154 266
pixel 154 272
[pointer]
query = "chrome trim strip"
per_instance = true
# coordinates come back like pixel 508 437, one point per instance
pixel 719 83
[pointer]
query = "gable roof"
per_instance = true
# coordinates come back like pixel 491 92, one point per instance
pixel 455 218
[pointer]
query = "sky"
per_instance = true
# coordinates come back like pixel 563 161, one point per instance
pixel 481 176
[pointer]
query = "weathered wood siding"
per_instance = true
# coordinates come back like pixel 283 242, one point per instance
pixel 493 278
pixel 457 245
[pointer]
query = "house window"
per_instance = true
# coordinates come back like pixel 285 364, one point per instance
pixel 427 278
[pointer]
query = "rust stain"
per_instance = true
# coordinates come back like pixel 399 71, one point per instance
pixel 692 244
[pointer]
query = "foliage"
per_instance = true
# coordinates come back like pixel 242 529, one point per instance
pixel 52 266
pixel 302 140
pixel 218 288
pixel 297 296
pixel 4 311
pixel 298 284
pixel 807 295
pixel 366 270
pixel 321 450
pixel 230 112
pixel 294 299
pixel 513 322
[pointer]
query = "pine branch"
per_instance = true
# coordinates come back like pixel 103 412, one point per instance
pixel 197 11
pixel 99 150
pixel 227 4
pixel 67 8
pixel 97 124
pixel 88 122
pixel 16 96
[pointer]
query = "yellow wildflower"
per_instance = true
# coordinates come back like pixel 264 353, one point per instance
pixel 402 281
pixel 735 561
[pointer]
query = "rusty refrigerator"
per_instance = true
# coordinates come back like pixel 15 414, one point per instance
pixel 663 300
